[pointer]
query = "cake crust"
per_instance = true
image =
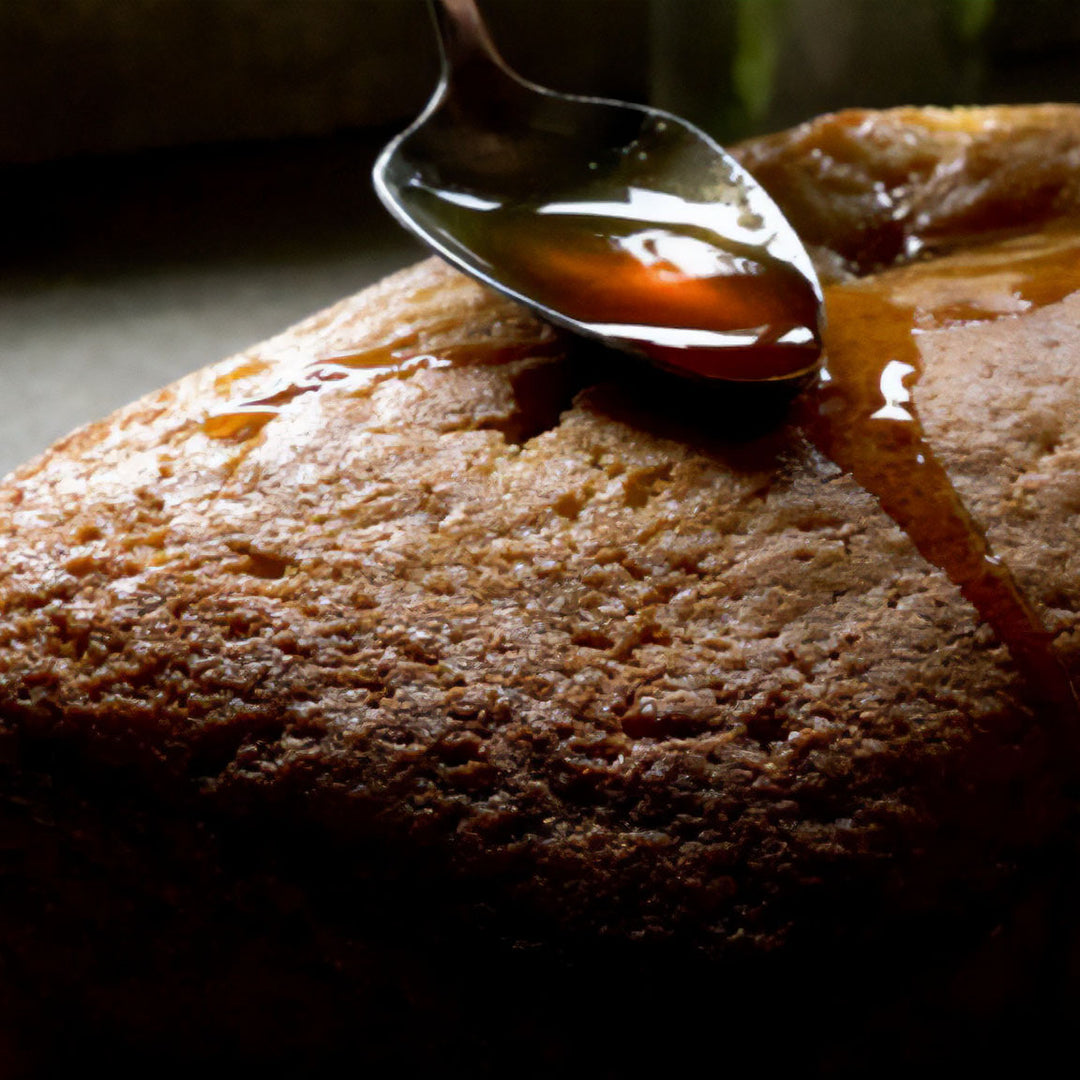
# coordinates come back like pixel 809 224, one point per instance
pixel 586 653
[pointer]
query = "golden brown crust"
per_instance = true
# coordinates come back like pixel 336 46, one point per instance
pixel 555 624
pixel 875 187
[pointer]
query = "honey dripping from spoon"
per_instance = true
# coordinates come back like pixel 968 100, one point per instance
pixel 494 175
pixel 861 415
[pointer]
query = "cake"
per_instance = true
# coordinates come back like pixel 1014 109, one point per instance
pixel 422 688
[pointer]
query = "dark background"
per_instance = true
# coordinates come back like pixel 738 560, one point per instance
pixel 80 76
pixel 180 178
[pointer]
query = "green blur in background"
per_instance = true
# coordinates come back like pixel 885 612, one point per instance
pixel 100 76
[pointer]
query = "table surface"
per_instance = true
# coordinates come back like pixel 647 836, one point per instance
pixel 122 275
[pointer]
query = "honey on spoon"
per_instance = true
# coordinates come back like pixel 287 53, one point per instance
pixel 615 221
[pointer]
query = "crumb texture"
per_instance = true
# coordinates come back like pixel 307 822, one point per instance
pixel 642 668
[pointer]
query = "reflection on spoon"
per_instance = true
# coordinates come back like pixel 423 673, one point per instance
pixel 702 288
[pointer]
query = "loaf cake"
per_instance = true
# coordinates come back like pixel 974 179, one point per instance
pixel 423 688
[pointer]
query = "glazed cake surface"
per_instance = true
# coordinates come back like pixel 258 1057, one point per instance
pixel 420 628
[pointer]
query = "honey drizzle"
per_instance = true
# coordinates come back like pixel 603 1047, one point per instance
pixel 863 418
pixel 400 358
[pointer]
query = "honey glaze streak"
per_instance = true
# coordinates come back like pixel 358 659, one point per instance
pixel 860 414
pixel 701 288
pixel 362 369
pixel 863 418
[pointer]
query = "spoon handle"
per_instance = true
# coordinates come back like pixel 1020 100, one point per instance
pixel 463 35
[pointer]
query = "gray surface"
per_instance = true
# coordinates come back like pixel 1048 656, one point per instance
pixel 75 349
pixel 121 294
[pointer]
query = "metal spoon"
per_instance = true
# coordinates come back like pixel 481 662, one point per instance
pixel 616 221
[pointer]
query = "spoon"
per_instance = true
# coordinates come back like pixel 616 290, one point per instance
pixel 615 221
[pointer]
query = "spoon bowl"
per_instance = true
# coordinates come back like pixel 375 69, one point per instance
pixel 616 221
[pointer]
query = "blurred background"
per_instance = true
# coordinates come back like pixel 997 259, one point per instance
pixel 182 178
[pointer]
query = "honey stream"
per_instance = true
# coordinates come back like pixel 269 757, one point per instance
pixel 863 417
